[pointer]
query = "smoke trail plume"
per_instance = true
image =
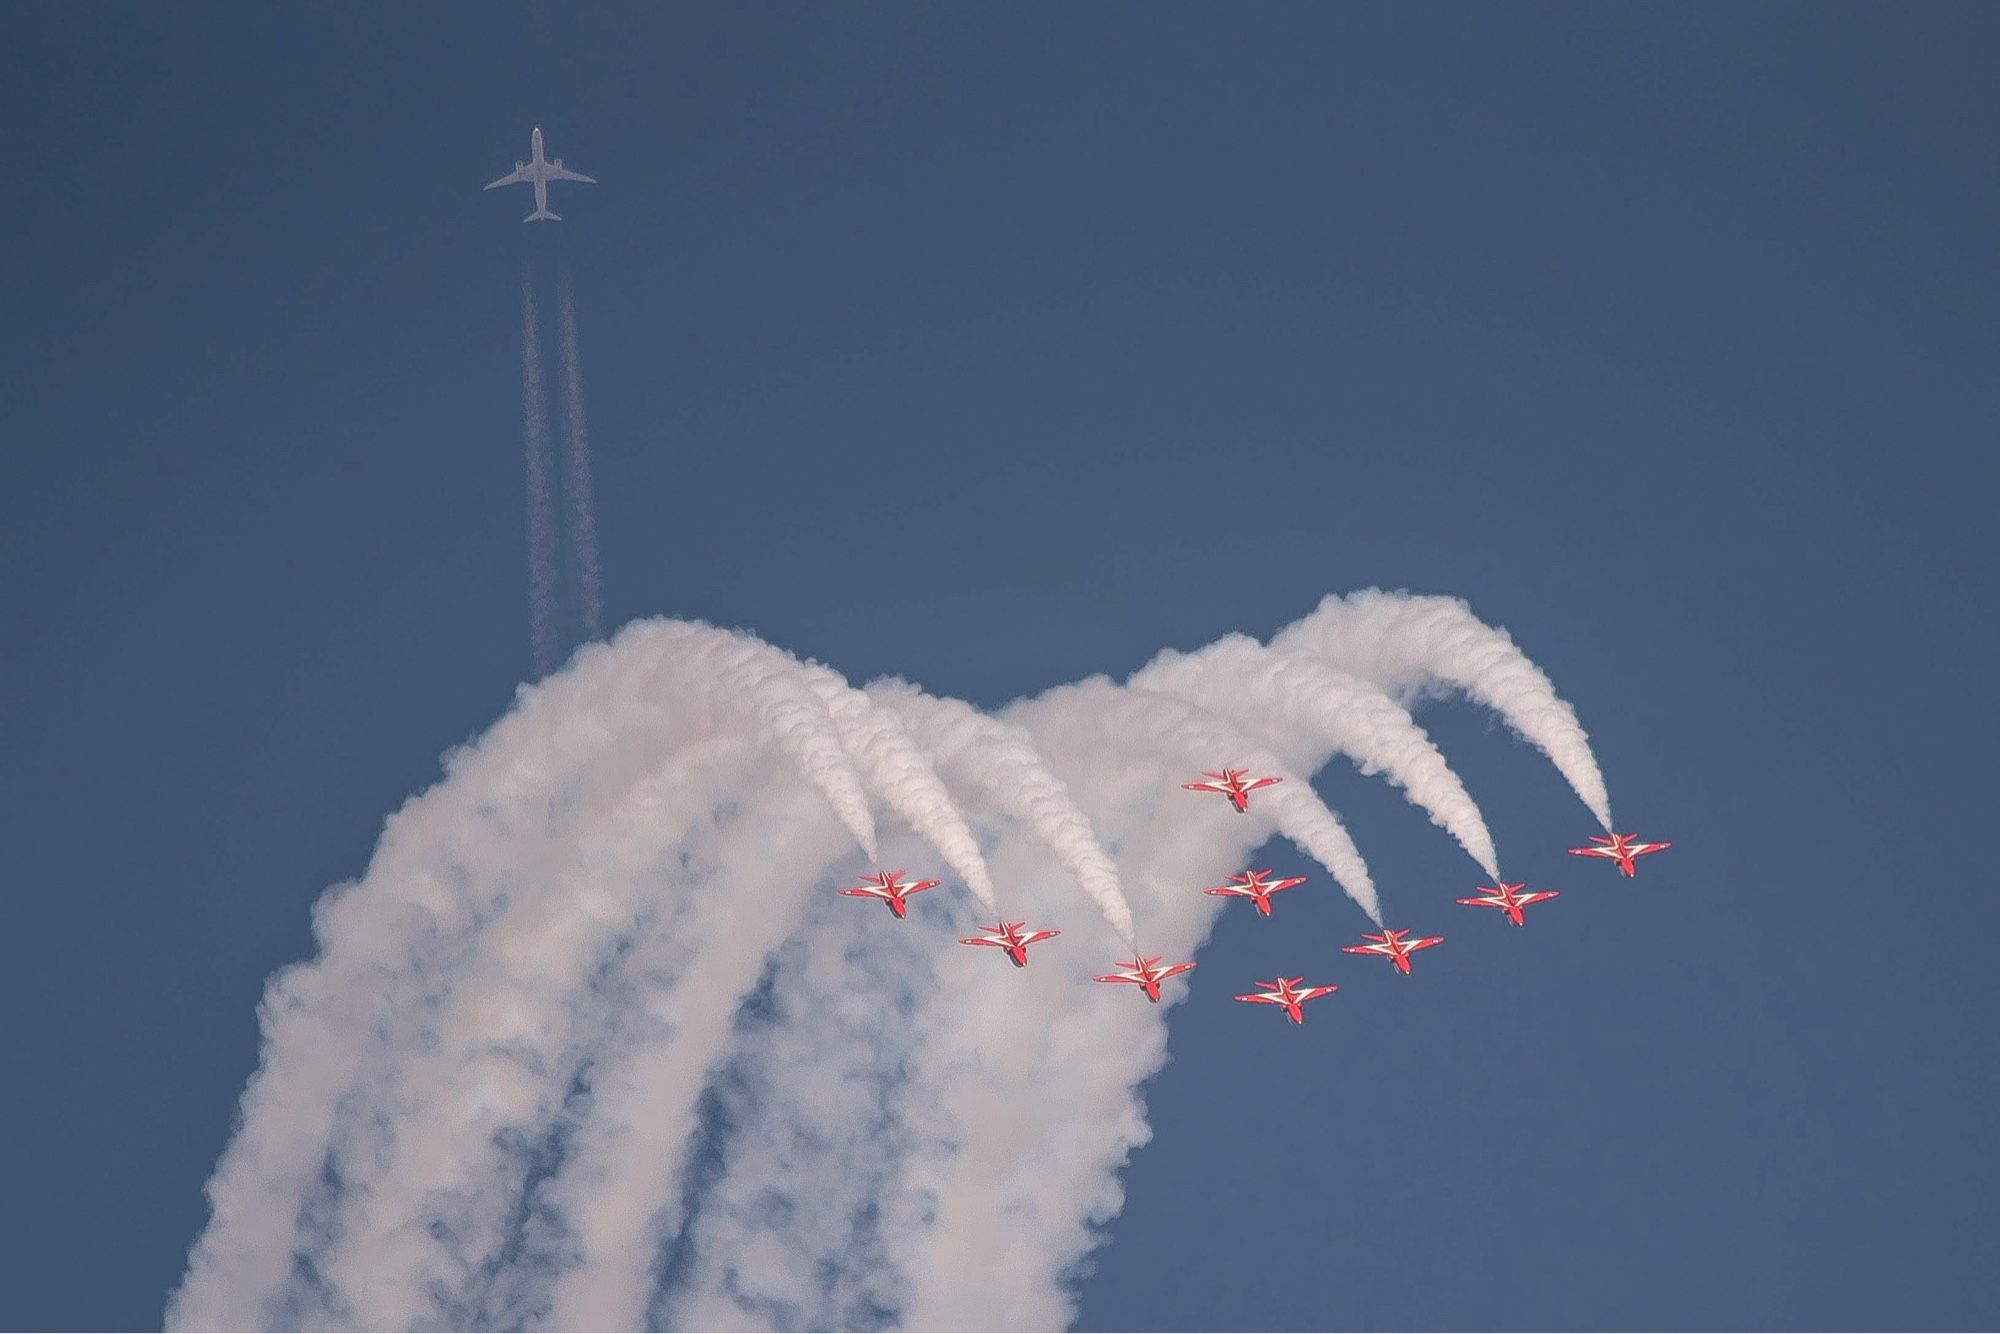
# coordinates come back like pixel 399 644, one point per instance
pixel 576 468
pixel 1408 643
pixel 1002 759
pixel 473 853
pixel 535 440
pixel 1250 684
pixel 1201 740
pixel 903 775
pixel 592 1043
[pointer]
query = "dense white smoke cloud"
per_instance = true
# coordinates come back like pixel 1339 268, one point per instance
pixel 593 1044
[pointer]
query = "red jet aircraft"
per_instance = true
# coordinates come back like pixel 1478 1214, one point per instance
pixel 1621 849
pixel 1250 885
pixel 1009 937
pixel 1287 992
pixel 1146 973
pixel 1391 946
pixel 891 888
pixel 1231 785
pixel 1507 900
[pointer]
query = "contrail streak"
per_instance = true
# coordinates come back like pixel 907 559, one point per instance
pixel 576 468
pixel 535 438
pixel 1407 643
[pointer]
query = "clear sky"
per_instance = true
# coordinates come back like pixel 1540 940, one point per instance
pixel 998 346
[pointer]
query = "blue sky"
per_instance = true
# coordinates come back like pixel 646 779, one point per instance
pixel 998 346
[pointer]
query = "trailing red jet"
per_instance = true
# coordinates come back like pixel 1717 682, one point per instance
pixel 1621 849
pixel 1391 946
pixel 1287 992
pixel 1251 885
pixel 1231 785
pixel 1009 937
pixel 1146 973
pixel 1507 899
pixel 891 888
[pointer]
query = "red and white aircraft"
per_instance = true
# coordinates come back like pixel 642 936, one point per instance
pixel 1287 992
pixel 1146 973
pixel 1250 885
pixel 1231 785
pixel 1621 849
pixel 1506 898
pixel 891 888
pixel 1391 946
pixel 1009 937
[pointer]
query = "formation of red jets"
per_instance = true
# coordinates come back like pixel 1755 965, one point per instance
pixel 1146 973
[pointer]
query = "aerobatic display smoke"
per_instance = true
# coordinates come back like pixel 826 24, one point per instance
pixel 535 445
pixel 1413 644
pixel 1002 759
pixel 593 1044
pixel 576 467
pixel 1242 680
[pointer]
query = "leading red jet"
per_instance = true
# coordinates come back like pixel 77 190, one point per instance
pixel 1287 992
pixel 1621 849
pixel 891 888
pixel 1250 885
pixel 1391 946
pixel 1231 785
pixel 1009 937
pixel 1146 973
pixel 1506 898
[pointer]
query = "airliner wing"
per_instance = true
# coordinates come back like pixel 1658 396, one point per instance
pixel 518 176
pixel 565 174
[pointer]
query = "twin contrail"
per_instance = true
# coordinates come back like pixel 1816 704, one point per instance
pixel 579 506
pixel 541 526
pixel 592 1043
pixel 576 468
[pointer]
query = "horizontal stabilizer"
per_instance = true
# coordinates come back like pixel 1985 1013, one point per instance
pixel 543 215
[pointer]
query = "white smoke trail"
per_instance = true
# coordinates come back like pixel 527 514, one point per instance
pixel 428 1201
pixel 535 440
pixel 448 866
pixel 1002 759
pixel 615 1199
pixel 1256 687
pixel 904 776
pixel 1407 643
pixel 1204 741
pixel 576 468
pixel 479 1106
pixel 947 1170
pixel 786 697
